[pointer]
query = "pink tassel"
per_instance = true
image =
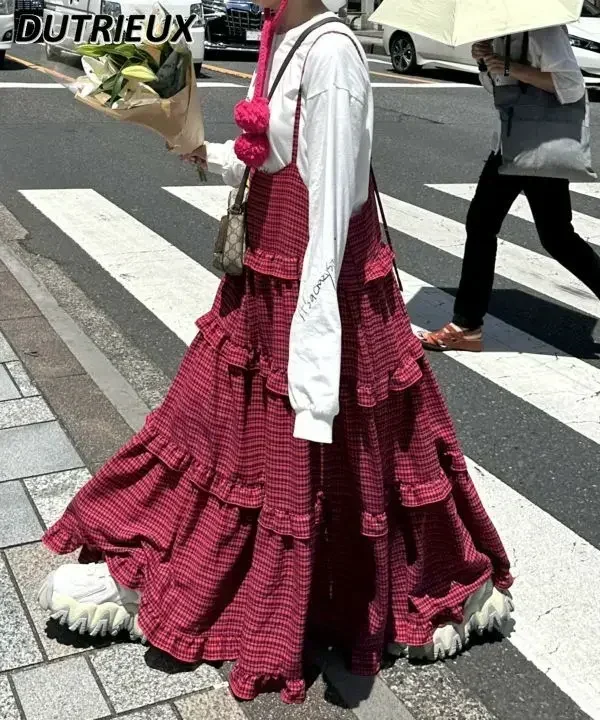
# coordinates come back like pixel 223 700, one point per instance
pixel 253 115
pixel 253 149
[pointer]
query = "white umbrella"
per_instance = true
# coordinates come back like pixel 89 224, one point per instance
pixel 459 22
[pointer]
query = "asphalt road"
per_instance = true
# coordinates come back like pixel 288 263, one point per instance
pixel 431 130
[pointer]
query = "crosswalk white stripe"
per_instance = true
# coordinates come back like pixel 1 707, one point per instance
pixel 56 86
pixel 30 85
pixel 586 225
pixel 589 189
pixel 558 593
pixel 215 84
pixel 560 385
pixel 531 269
pixel 554 382
pixel 146 265
pixel 422 85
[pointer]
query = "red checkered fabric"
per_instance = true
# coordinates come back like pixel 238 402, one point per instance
pixel 242 539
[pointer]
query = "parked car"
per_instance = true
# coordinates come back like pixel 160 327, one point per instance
pixel 233 25
pixel 7 27
pixel 28 7
pixel 59 8
pixel 411 52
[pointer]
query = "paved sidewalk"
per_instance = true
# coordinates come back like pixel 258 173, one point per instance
pixel 47 673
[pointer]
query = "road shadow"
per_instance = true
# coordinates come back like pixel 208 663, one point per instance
pixel 11 66
pixel 453 76
pixel 230 56
pixel 435 75
pixel 63 636
pixel 594 93
pixel 569 331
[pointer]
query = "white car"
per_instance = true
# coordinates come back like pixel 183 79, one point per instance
pixel 411 52
pixel 7 27
pixel 58 8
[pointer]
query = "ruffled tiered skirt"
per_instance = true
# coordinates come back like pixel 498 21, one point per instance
pixel 243 540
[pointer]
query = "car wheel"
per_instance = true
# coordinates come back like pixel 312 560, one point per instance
pixel 2 55
pixel 403 53
pixel 52 52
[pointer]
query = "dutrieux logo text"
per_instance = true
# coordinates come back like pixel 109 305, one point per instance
pixel 105 29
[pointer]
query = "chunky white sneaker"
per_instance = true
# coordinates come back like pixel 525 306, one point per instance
pixel 87 599
pixel 485 610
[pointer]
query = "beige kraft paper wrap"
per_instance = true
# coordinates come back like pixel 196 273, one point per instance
pixel 179 119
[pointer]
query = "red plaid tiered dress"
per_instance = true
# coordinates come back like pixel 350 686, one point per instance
pixel 243 540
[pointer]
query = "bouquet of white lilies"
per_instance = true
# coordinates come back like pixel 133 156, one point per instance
pixel 149 84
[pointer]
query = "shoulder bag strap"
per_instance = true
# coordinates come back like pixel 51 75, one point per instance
pixel 524 59
pixel 240 196
pixel 525 49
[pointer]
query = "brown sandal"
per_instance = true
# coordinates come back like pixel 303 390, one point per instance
pixel 452 338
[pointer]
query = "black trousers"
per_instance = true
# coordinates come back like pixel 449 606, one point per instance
pixel 550 204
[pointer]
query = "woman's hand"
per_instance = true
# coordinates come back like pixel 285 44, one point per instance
pixel 523 73
pixel 481 49
pixel 495 64
pixel 197 157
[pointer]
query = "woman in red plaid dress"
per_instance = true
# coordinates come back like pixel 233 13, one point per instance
pixel 302 477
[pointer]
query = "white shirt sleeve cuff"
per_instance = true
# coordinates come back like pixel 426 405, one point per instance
pixel 222 160
pixel 215 157
pixel 315 428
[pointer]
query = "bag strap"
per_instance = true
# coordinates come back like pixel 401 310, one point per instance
pixel 297 44
pixel 507 54
pixel 240 196
pixel 524 59
pixel 525 49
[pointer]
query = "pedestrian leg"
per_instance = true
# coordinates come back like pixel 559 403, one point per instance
pixel 550 203
pixel 493 199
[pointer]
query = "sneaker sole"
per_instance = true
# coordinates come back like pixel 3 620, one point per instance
pixel 95 620
pixel 487 610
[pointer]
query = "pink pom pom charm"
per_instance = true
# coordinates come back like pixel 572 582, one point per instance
pixel 253 115
pixel 253 149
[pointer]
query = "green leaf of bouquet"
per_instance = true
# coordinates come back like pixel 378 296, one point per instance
pixel 118 86
pixel 109 83
pixel 127 50
pixel 93 50
pixel 139 72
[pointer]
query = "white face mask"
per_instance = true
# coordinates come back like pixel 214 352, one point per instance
pixel 334 5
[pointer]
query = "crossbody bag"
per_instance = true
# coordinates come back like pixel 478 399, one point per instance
pixel 541 137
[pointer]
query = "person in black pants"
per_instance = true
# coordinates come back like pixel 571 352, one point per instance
pixel 549 200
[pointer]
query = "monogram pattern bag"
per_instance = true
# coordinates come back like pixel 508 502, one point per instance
pixel 230 246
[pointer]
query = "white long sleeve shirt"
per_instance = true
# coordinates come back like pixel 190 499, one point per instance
pixel 334 151
pixel 549 51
